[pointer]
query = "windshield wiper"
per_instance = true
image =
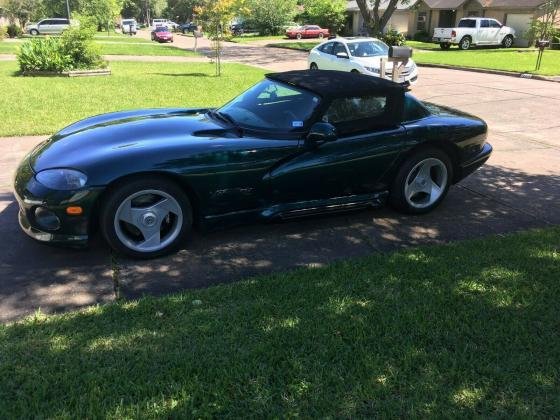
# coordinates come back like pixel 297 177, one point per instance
pixel 228 119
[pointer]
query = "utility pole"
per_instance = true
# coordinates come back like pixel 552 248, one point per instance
pixel 68 9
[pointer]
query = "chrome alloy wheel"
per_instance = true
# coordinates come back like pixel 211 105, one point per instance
pixel 425 183
pixel 148 220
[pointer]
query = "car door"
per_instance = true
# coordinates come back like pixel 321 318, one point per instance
pixel 365 149
pixel 340 63
pixel 59 26
pixel 324 56
pixel 45 27
pixel 493 35
pixel 483 32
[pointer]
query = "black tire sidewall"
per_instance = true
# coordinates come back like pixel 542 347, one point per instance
pixel 115 197
pixel 397 198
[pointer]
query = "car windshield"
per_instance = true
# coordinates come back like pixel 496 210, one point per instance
pixel 127 22
pixel 162 29
pixel 271 105
pixel 368 48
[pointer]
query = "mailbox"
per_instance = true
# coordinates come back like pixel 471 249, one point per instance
pixel 400 52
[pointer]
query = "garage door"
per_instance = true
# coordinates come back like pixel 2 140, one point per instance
pixel 520 22
pixel 398 21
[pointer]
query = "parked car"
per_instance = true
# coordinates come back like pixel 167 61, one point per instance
pixel 474 31
pixel 51 26
pixel 188 27
pixel 156 23
pixel 359 55
pixel 237 29
pixel 129 26
pixel 298 143
pixel 307 31
pixel 162 34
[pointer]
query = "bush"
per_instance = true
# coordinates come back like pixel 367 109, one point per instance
pixel 14 31
pixel 422 36
pixel 3 32
pixel 73 50
pixel 392 37
pixel 555 43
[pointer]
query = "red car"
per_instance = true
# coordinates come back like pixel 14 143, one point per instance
pixel 307 31
pixel 162 34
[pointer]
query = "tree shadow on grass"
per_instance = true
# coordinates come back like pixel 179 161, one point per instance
pixel 194 74
pixel 469 329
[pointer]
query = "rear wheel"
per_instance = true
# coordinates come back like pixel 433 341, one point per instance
pixel 445 45
pixel 422 182
pixel 313 66
pixel 146 218
pixel 508 41
pixel 465 43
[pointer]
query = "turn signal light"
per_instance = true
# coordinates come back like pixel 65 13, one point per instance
pixel 74 210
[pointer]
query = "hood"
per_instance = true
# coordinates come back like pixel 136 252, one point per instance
pixel 93 139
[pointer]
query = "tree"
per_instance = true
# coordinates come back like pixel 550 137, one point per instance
pixel 325 13
pixel 180 10
pixel 544 27
pixel 269 16
pixel 370 12
pixel 22 10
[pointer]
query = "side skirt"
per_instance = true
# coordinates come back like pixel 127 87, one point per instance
pixel 297 210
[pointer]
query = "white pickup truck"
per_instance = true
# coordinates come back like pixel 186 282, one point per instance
pixel 474 31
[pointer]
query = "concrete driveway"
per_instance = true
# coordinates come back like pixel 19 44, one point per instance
pixel 518 189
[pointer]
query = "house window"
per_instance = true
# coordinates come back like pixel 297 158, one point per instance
pixel 421 21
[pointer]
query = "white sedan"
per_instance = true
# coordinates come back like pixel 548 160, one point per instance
pixel 362 55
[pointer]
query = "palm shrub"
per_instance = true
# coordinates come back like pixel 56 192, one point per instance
pixel 72 51
pixel 393 37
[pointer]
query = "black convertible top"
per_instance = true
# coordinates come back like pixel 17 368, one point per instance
pixel 336 84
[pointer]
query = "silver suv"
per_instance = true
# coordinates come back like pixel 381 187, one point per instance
pixel 48 26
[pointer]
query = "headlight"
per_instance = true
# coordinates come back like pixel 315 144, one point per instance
pixel 372 69
pixel 61 179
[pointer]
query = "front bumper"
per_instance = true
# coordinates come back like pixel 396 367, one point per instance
pixel 468 167
pixel 31 195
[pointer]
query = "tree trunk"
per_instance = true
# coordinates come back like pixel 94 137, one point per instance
pixel 376 23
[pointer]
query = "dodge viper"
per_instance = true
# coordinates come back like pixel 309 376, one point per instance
pixel 296 144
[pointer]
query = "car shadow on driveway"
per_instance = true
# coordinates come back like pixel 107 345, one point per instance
pixel 495 200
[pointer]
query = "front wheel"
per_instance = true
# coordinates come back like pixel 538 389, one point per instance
pixel 146 218
pixel 422 182
pixel 298 36
pixel 34 32
pixel 313 66
pixel 508 41
pixel 321 36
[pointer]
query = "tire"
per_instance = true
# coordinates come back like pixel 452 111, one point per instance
pixel 444 45
pixel 507 42
pixel 409 189
pixel 298 36
pixel 321 36
pixel 313 66
pixel 355 71
pixel 465 43
pixel 34 32
pixel 146 230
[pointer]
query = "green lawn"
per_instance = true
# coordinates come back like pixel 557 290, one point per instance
pixel 296 45
pixel 252 38
pixel 118 46
pixel 40 105
pixel 468 330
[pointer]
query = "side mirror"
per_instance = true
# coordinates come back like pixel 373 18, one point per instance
pixel 321 132
pixel 341 55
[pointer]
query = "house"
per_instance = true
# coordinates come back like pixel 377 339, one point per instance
pixel 425 15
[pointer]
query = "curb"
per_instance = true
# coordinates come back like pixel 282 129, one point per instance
pixel 554 79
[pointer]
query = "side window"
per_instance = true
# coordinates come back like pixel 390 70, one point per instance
pixel 484 23
pixel 495 24
pixel 344 110
pixel 339 48
pixel 327 48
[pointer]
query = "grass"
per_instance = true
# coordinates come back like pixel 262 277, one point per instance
pixel 118 46
pixel 521 60
pixel 463 330
pixel 244 39
pixel 296 45
pixel 39 105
